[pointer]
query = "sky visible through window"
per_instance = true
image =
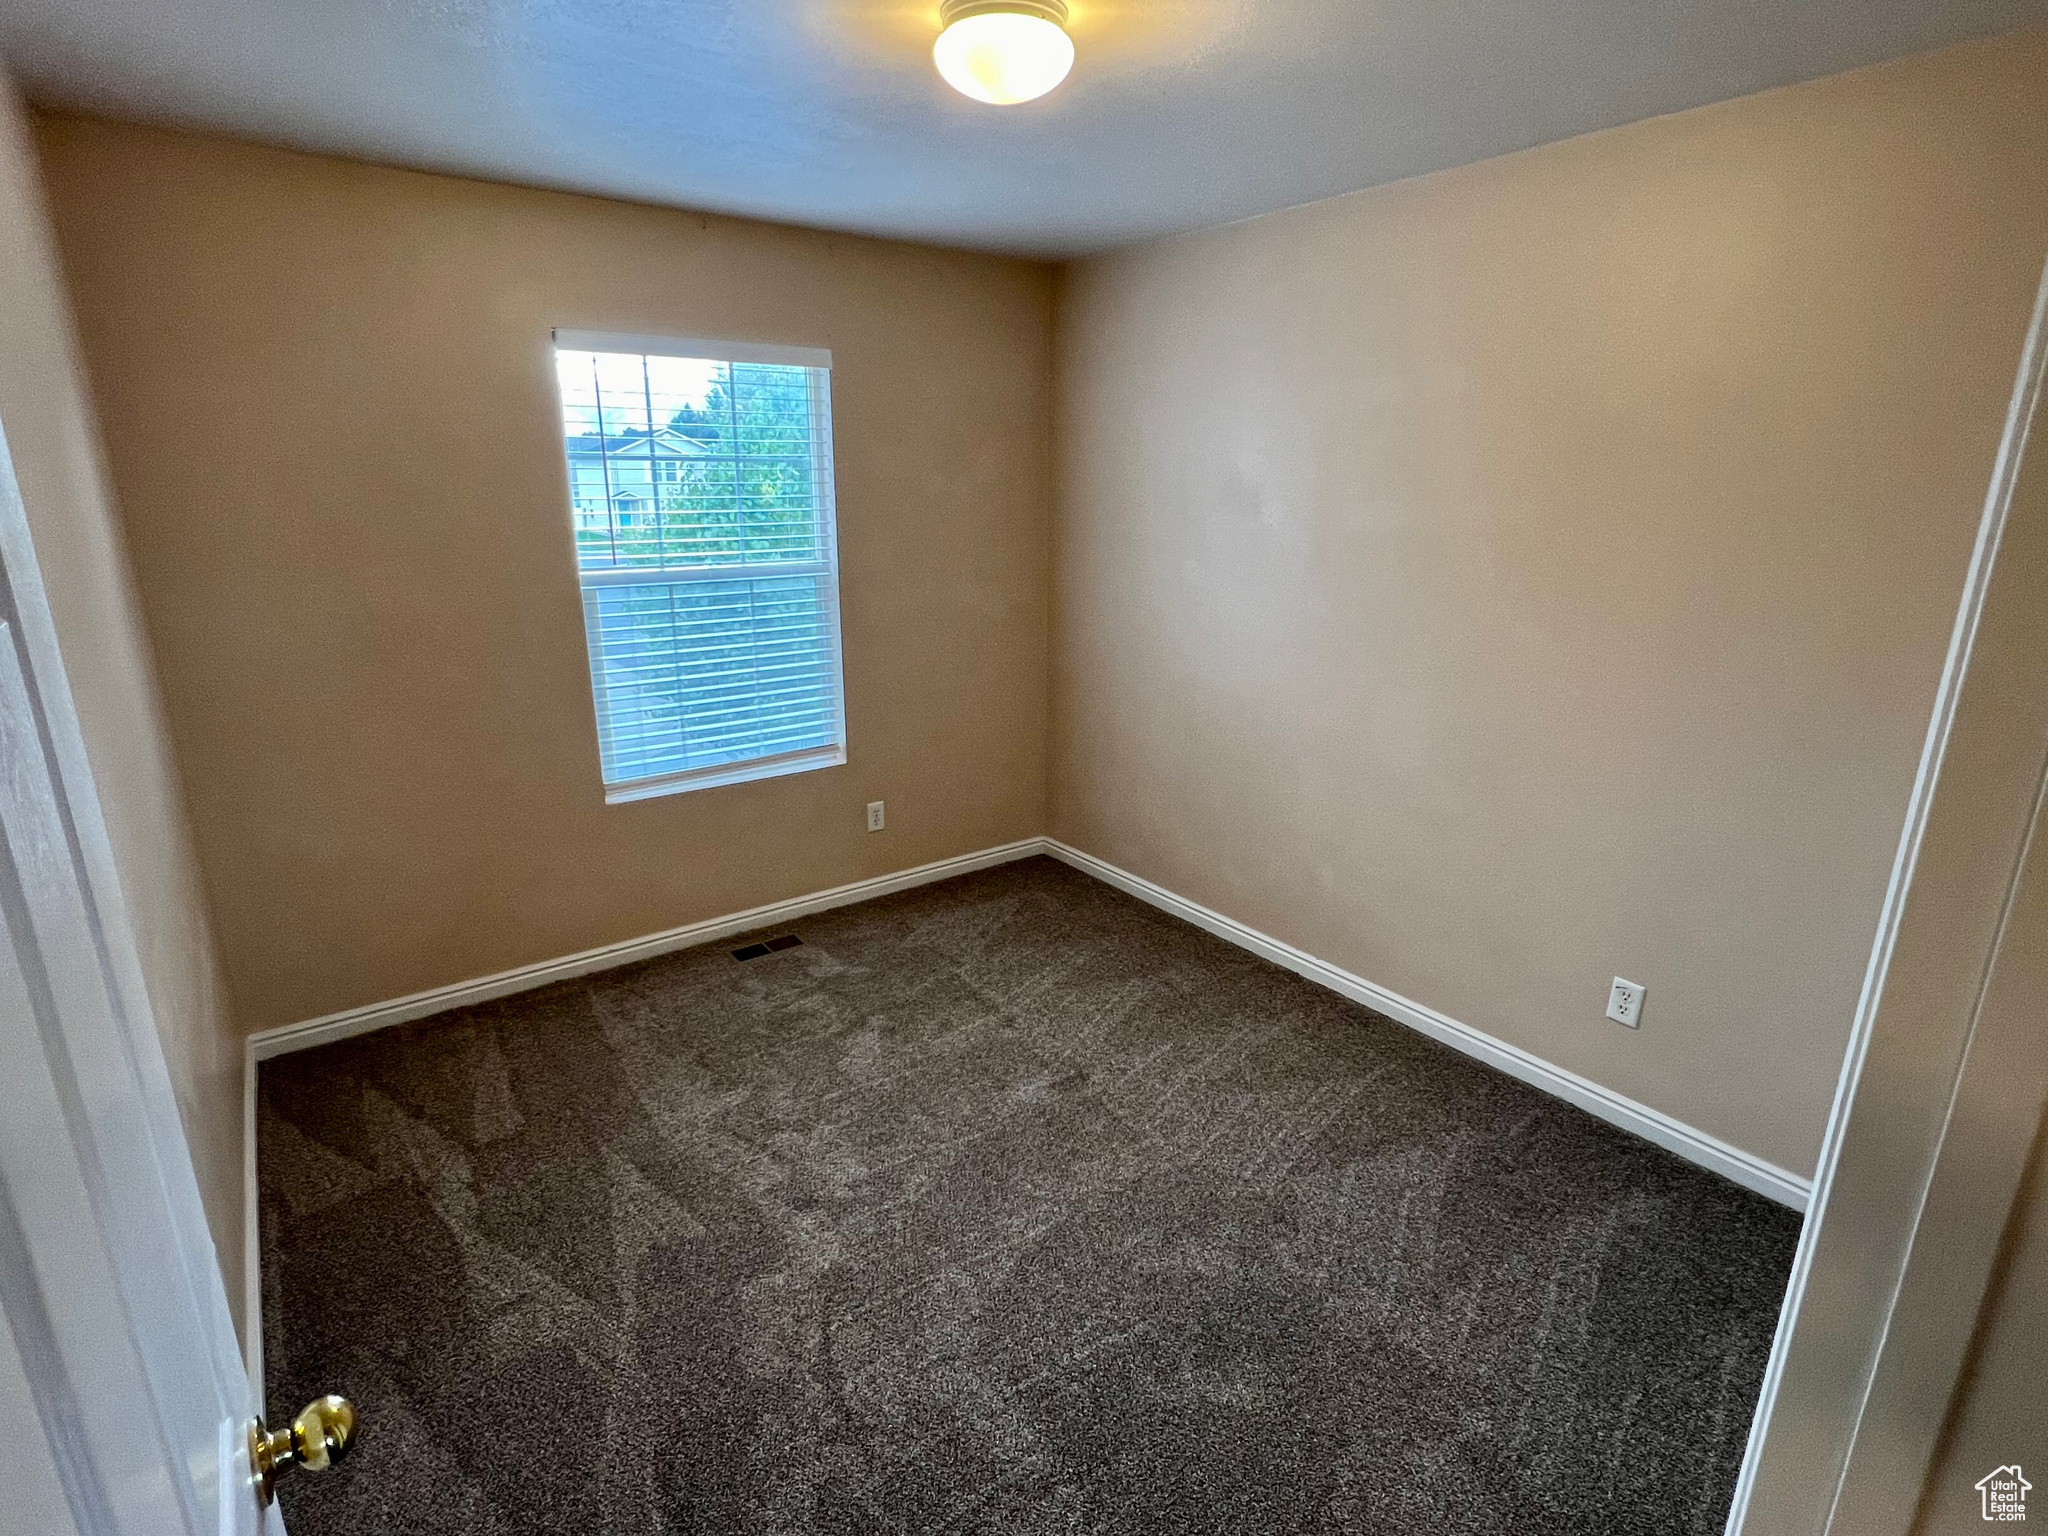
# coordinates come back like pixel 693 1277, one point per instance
pixel 673 382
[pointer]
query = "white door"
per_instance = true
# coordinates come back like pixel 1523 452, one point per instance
pixel 124 1408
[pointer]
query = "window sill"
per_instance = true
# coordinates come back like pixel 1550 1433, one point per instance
pixel 725 773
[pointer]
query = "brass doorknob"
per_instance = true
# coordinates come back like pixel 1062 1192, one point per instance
pixel 319 1437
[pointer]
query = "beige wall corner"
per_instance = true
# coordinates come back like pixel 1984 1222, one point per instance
pixel 1540 572
pixel 52 438
pixel 328 400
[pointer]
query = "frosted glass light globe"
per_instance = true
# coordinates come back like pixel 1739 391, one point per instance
pixel 1005 52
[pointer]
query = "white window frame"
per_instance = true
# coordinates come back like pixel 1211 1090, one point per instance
pixel 817 358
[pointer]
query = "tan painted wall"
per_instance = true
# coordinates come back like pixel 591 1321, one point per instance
pixel 1540 571
pixel 329 407
pixel 54 444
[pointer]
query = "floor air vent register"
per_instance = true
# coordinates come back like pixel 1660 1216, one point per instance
pixel 768 947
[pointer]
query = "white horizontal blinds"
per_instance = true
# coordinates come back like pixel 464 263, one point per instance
pixel 701 491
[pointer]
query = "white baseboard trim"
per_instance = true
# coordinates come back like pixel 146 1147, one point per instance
pixel 462 994
pixel 1674 1135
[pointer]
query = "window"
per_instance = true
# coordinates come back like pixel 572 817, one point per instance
pixel 700 491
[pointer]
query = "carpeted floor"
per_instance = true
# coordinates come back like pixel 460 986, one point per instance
pixel 1004 1205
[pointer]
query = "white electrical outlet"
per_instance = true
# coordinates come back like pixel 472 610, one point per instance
pixel 1625 1003
pixel 874 815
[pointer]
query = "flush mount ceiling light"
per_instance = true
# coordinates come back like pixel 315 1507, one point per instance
pixel 1003 51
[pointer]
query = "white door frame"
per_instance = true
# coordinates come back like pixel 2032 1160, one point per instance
pixel 113 1302
pixel 1947 1066
pixel 115 1335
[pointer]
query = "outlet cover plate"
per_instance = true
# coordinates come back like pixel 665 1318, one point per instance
pixel 1625 1003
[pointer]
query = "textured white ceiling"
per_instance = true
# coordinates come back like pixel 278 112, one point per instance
pixel 1179 113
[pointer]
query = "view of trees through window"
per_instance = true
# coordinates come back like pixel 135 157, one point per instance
pixel 686 461
pixel 713 479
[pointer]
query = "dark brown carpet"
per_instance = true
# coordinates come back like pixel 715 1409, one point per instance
pixel 1003 1205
